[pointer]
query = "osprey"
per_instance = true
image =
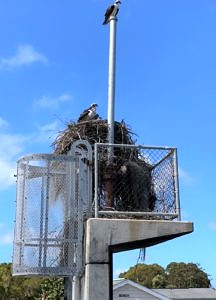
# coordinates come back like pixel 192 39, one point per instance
pixel 111 11
pixel 88 114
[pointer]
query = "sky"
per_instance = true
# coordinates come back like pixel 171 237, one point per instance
pixel 54 64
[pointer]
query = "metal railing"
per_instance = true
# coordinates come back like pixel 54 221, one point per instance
pixel 136 182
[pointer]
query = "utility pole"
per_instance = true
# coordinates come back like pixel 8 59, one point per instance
pixel 111 18
pixel 112 69
pixel 111 80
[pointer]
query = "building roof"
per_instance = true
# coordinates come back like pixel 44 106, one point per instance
pixel 123 282
pixel 191 293
pixel 170 294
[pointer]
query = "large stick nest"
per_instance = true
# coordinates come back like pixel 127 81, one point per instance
pixel 94 131
pixel 125 181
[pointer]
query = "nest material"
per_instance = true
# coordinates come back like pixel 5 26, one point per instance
pixel 125 181
pixel 95 131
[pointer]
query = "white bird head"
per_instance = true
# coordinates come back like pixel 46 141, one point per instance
pixel 117 2
pixel 94 105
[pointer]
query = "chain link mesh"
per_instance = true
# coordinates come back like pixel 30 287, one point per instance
pixel 136 179
pixel 49 215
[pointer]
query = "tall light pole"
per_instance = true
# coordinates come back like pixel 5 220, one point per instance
pixel 111 80
pixel 110 17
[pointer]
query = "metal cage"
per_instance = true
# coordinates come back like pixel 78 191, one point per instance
pixel 53 199
pixel 136 181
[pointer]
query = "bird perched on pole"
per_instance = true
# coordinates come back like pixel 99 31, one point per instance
pixel 111 11
pixel 89 114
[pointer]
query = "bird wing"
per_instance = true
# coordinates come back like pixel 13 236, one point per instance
pixel 83 114
pixel 108 14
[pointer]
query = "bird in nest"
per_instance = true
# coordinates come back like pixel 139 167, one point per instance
pixel 111 11
pixel 89 114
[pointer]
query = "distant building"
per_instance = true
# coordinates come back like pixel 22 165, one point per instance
pixel 127 289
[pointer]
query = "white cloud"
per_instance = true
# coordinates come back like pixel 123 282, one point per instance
pixel 25 55
pixel 3 123
pixel 51 102
pixel 49 127
pixel 13 146
pixel 47 131
pixel 6 238
pixel 10 147
pixel 212 226
pixel 8 169
pixel 185 177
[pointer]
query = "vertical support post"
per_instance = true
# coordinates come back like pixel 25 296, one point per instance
pixel 70 223
pixel 96 180
pixel 111 107
pixel 111 80
pixel 46 225
pixel 76 288
pixel 41 220
pixel 68 288
pixel 20 213
pixel 80 197
pixel 176 184
pixel 22 218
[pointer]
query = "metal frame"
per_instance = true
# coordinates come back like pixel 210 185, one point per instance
pixel 146 215
pixel 38 176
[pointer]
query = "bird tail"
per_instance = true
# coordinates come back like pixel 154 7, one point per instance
pixel 105 22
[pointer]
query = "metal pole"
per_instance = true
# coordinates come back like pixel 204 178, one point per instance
pixel 111 109
pixel 111 79
pixel 96 180
pixel 68 288
pixel 69 221
pixel 76 288
pixel 178 210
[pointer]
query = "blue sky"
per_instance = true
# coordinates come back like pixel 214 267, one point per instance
pixel 53 64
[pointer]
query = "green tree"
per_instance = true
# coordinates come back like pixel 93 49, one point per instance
pixel 182 275
pixel 16 287
pixel 5 280
pixel 159 281
pixel 52 289
pixel 176 275
pixel 144 274
pixel 22 288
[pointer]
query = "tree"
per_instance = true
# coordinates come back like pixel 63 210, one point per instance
pixel 5 280
pixel 182 275
pixel 144 274
pixel 52 289
pixel 159 282
pixel 22 288
pixel 16 287
pixel 175 275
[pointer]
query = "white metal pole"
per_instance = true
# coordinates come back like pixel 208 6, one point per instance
pixel 111 80
pixel 76 288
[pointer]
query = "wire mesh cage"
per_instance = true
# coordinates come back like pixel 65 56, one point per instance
pixel 136 181
pixel 53 198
